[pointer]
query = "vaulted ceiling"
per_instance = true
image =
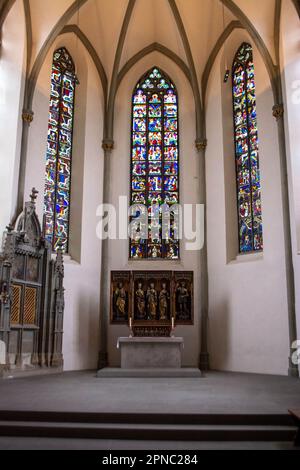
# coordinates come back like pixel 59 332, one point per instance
pixel 151 21
pixel 118 30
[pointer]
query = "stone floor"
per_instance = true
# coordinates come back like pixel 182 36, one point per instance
pixel 217 392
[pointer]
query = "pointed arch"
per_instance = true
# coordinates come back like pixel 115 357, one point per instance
pixel 32 79
pixel 272 69
pixel 94 56
pixel 5 7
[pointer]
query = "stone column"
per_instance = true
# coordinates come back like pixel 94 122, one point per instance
pixel 27 117
pixel 278 113
pixel 107 146
pixel 201 146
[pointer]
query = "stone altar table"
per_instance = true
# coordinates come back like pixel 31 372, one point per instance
pixel 150 357
pixel 150 352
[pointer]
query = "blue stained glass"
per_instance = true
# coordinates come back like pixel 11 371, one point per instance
pixel 139 111
pixel 139 125
pixel 170 97
pixel 155 125
pixel 155 168
pixel 139 169
pixel 171 153
pixel 155 153
pixel 59 150
pixel 139 138
pixel 154 156
pixel 140 97
pixel 246 146
pixel 171 138
pixel 171 168
pixel 139 153
pixel 138 183
pixel 154 110
pixel 170 110
pixel 171 125
pixel 171 183
pixel 155 99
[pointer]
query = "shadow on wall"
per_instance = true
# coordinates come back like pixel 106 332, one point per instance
pixel 219 336
pixel 88 330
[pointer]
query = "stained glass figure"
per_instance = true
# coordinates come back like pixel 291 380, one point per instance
pixel 59 151
pixel 155 158
pixel 246 152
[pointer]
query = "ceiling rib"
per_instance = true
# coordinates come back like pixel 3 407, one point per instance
pixel 200 130
pixel 214 53
pixel 76 5
pixel 155 46
pixel 114 79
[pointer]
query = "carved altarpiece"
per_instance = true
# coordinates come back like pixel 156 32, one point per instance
pixel 151 299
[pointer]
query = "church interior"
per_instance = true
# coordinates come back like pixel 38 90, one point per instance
pixel 115 116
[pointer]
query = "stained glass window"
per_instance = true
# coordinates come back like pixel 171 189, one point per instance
pixel 59 150
pixel 155 160
pixel 247 152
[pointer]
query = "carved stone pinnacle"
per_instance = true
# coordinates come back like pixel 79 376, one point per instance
pixel 33 195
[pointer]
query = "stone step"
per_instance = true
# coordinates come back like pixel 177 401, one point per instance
pixel 135 431
pixel 43 443
pixel 110 373
pixel 147 418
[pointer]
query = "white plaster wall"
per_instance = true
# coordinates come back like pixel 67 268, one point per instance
pixel 248 318
pixel 290 66
pixel 189 190
pixel 248 311
pixel 12 71
pixel 82 274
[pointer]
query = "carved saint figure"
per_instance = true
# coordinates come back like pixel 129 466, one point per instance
pixel 120 296
pixel 140 301
pixel 152 302
pixel 182 300
pixel 163 302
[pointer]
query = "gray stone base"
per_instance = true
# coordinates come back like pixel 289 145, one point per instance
pixel 110 372
pixel 30 372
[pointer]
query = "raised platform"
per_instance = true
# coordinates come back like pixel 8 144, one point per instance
pixel 219 408
pixel 109 373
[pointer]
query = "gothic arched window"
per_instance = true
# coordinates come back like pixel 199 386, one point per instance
pixel 154 161
pixel 59 150
pixel 246 152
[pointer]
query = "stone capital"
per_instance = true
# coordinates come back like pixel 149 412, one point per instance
pixel 278 111
pixel 27 116
pixel 108 145
pixel 201 144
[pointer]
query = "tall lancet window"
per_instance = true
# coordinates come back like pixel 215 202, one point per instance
pixel 154 163
pixel 246 152
pixel 59 150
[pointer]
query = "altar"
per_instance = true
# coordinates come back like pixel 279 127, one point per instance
pixel 150 357
pixel 150 352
